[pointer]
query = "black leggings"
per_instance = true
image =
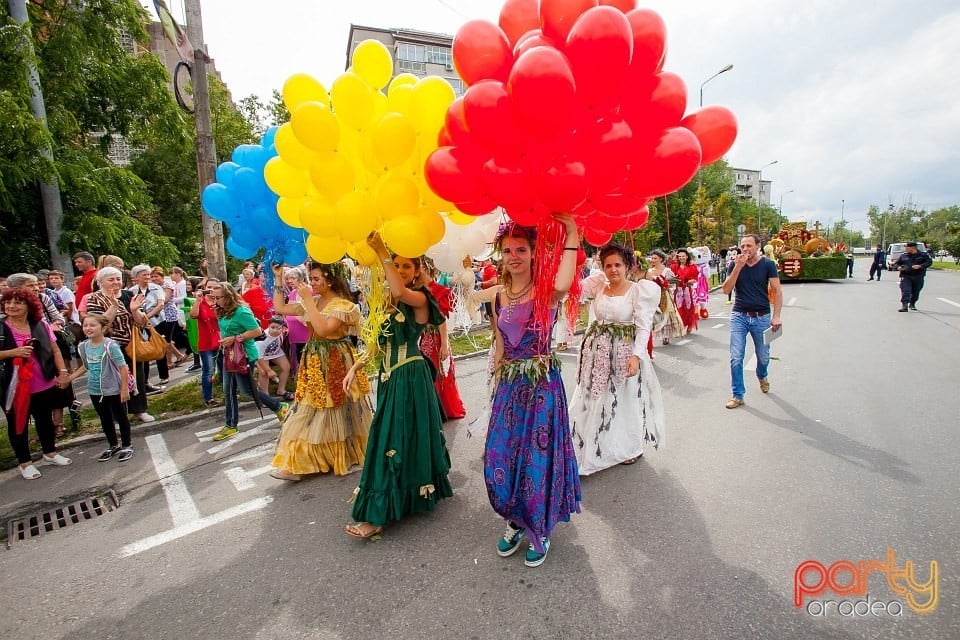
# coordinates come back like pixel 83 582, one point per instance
pixel 41 404
pixel 111 411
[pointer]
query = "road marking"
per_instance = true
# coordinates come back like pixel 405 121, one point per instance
pixel 683 342
pixel 792 300
pixel 243 435
pixel 183 509
pixel 717 326
pixel 802 285
pixel 260 471
pixel 256 452
pixel 567 354
pixel 192 527
pixel 239 478
pixel 949 302
pixel 206 436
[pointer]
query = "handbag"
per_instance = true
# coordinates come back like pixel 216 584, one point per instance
pixel 235 358
pixel 146 345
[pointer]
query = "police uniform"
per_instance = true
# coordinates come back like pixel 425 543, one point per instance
pixel 911 280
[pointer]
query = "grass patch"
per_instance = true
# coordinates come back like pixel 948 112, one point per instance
pixel 946 266
pixel 462 344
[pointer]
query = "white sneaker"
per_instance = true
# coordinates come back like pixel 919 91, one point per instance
pixel 57 460
pixel 146 417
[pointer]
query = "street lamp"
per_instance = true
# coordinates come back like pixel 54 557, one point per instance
pixel 759 188
pixel 724 70
pixel 700 170
pixel 780 208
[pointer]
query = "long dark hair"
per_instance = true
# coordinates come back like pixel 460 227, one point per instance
pixel 336 278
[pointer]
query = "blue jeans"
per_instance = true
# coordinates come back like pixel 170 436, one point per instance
pixel 740 326
pixel 210 361
pixel 233 382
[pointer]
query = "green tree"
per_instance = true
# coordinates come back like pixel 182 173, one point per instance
pixel 95 88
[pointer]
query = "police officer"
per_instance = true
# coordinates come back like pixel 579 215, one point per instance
pixel 912 265
pixel 879 263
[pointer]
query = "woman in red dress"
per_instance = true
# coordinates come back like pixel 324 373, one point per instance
pixel 435 345
pixel 684 295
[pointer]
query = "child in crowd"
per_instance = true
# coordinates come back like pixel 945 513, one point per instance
pixel 272 352
pixel 108 383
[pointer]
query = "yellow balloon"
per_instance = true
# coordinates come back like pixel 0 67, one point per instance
pixel 432 200
pixel 432 224
pixel 396 196
pixel 394 139
pixel 326 249
pixel 290 148
pixel 352 100
pixel 300 88
pixel 460 218
pixel 399 99
pixel 402 80
pixel 405 236
pixel 355 216
pixel 289 211
pixel 380 106
pixel 333 176
pixel 372 62
pixel 316 127
pixel 317 217
pixel 429 103
pixel 284 179
pixel 370 165
pixel 362 253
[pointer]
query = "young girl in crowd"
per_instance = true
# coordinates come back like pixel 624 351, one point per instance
pixel 108 380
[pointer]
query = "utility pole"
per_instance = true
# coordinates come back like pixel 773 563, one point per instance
pixel 206 149
pixel 49 188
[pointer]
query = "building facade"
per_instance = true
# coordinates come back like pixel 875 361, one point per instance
pixel 747 183
pixel 418 52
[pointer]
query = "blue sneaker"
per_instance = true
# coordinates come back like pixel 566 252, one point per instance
pixel 534 559
pixel 510 541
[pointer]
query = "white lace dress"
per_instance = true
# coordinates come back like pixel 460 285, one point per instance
pixel 612 415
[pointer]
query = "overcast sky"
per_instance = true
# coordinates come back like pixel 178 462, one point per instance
pixel 858 101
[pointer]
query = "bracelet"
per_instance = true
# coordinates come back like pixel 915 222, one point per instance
pixel 64 370
pixel 571 248
pixel 386 260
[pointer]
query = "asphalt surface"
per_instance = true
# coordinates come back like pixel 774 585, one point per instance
pixel 852 452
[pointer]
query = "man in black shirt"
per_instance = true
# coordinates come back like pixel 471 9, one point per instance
pixel 756 281
pixel 879 263
pixel 912 265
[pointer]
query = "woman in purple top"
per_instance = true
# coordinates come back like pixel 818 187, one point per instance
pixel 530 469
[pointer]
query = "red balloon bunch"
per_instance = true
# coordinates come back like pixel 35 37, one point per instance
pixel 568 109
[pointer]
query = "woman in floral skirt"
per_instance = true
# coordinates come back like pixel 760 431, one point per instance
pixel 530 469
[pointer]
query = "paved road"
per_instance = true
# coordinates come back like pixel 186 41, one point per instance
pixel 852 452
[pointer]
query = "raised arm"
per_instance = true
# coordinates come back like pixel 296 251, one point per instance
pixel 398 289
pixel 568 262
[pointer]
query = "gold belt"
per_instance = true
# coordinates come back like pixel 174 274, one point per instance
pixel 388 371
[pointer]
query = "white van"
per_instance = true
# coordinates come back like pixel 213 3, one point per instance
pixel 896 249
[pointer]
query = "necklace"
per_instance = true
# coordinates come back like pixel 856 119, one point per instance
pixel 513 299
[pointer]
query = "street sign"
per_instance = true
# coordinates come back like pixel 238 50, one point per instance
pixel 741 229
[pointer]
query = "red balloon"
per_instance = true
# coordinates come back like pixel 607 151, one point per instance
pixel 530 216
pixel 543 91
pixel 454 124
pixel 509 185
pixel 715 128
pixel 649 43
pixel 623 5
pixel 669 165
pixel 608 154
pixel 596 237
pixel 478 207
pixel 609 224
pixel 617 204
pixel 637 219
pixel 454 175
pixel 558 16
pixel 518 17
pixel 443 138
pixel 490 117
pixel 599 48
pixel 654 104
pixel 532 39
pixel 481 52
pixel 564 186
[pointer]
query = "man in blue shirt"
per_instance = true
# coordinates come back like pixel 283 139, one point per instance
pixel 879 263
pixel 912 265
pixel 756 281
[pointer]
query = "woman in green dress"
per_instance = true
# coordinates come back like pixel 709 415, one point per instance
pixel 407 460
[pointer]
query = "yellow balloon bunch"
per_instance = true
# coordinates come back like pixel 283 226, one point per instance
pixel 351 161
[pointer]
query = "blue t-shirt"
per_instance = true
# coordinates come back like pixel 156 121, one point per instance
pixel 751 286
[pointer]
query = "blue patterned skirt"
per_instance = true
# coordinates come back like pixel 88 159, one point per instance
pixel 530 468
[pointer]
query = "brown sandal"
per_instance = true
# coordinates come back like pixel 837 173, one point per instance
pixel 357 530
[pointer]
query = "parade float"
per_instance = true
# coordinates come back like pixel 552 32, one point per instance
pixel 802 254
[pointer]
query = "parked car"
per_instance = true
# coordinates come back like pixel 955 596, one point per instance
pixel 895 249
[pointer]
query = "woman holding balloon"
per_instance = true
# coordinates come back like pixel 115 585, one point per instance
pixel 530 468
pixel 406 460
pixel 685 294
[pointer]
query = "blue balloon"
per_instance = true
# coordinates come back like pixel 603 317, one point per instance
pixel 218 201
pixel 267 140
pixel 295 254
pixel 249 186
pixel 238 251
pixel 264 220
pixel 242 154
pixel 245 235
pixel 257 158
pixel 225 173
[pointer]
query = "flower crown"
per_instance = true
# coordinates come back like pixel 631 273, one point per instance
pixel 511 228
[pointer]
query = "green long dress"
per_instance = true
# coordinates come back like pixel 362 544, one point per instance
pixel 407 460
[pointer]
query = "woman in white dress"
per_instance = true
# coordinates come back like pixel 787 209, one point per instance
pixel 660 273
pixel 617 405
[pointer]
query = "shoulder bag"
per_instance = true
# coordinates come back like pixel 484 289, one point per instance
pixel 146 345
pixel 235 358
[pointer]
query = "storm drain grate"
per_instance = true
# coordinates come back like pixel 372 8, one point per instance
pixel 50 520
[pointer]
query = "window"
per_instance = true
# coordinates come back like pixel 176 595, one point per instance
pixel 457 85
pixel 411 52
pixel 438 55
pixel 413 67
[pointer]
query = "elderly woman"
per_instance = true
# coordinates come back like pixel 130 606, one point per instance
pixel 31 370
pixel 122 309
pixel 297 332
